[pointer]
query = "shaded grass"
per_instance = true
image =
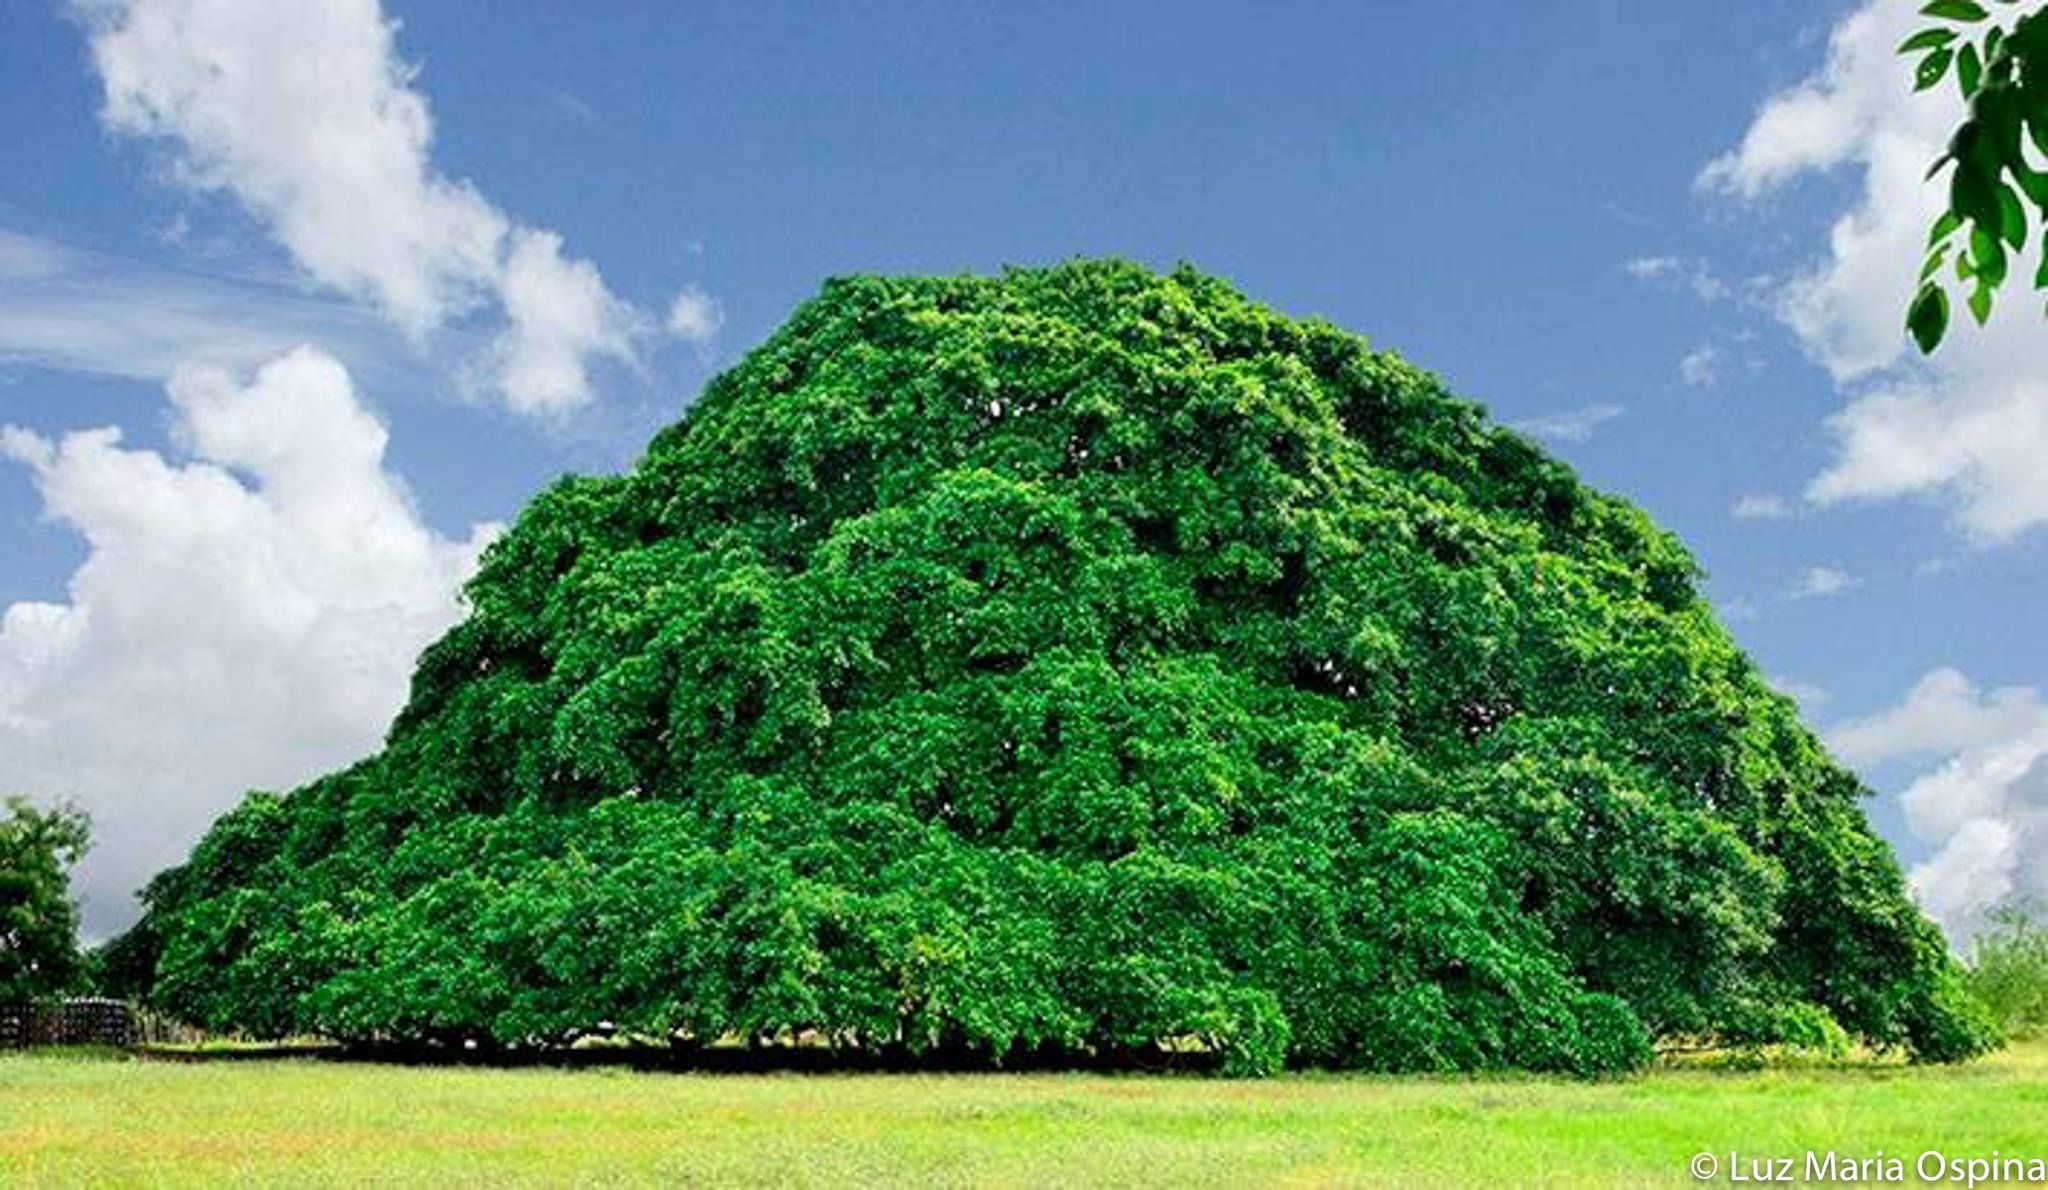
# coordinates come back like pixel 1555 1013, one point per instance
pixel 310 1122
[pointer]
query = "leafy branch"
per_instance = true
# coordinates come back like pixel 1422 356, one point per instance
pixel 2003 76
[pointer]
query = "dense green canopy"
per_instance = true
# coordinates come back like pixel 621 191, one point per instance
pixel 1077 660
pixel 38 922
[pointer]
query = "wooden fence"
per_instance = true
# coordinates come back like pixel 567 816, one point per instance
pixel 86 1020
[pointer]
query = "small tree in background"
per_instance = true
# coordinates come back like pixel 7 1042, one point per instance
pixel 2003 75
pixel 2009 969
pixel 38 921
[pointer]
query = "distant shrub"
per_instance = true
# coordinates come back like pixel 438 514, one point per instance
pixel 2009 970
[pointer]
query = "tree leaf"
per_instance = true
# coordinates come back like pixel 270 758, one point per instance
pixel 1970 192
pixel 2012 218
pixel 1998 112
pixel 1928 317
pixel 1980 303
pixel 1969 70
pixel 1927 39
pixel 1934 262
pixel 1987 256
pixel 1932 67
pixel 2033 181
pixel 1944 227
pixel 1954 10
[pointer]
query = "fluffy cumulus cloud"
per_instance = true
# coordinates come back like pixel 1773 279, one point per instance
pixel 1943 712
pixel 1983 807
pixel 305 114
pixel 560 315
pixel 1969 427
pixel 246 615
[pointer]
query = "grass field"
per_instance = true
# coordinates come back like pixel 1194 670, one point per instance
pixel 68 1120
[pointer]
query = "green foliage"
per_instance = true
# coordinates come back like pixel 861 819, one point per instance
pixel 2009 970
pixel 38 922
pixel 2004 78
pixel 1076 659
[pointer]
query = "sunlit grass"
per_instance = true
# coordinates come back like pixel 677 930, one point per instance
pixel 300 1122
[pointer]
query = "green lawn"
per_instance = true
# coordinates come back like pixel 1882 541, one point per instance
pixel 299 1122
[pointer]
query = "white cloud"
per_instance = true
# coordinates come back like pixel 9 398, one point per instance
pixel 1975 431
pixel 1818 123
pixel 304 114
pixel 1762 506
pixel 1649 268
pixel 1805 693
pixel 1575 425
pixel 1700 367
pixel 1974 873
pixel 247 617
pixel 1969 426
pixel 1984 808
pixel 1684 272
pixel 1737 608
pixel 1820 582
pixel 1943 712
pixel 307 116
pixel 695 316
pixel 64 307
pixel 26 258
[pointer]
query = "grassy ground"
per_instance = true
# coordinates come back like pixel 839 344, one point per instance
pixel 311 1122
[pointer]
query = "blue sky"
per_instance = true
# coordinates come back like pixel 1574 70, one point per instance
pixel 1524 198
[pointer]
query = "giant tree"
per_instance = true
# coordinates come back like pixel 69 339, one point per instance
pixel 1077 661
